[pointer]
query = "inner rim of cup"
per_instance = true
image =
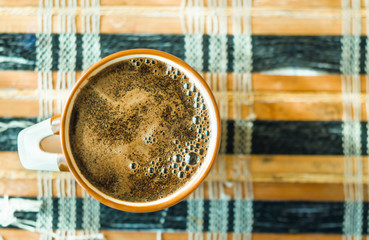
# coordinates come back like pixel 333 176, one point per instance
pixel 213 126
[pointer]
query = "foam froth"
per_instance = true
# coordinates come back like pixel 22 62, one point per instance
pixel 139 130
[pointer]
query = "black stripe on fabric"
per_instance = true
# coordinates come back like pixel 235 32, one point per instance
pixel 269 217
pixel 269 137
pixel 322 53
pixel 8 136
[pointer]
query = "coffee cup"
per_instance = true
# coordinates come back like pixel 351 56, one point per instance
pixel 48 146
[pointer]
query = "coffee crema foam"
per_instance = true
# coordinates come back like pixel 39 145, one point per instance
pixel 139 130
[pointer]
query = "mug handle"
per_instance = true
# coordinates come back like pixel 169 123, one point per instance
pixel 33 155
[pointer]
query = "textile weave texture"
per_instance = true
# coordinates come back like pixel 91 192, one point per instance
pixel 294 112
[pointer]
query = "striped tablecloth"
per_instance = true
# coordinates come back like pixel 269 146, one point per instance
pixel 291 81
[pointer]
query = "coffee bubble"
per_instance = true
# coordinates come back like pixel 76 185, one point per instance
pixel 181 174
pixel 151 170
pixel 192 158
pixel 196 119
pixel 164 170
pixel 133 165
pixel 177 158
pixel 203 106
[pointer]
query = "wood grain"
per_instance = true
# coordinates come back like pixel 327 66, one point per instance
pixel 24 79
pixel 261 82
pixel 301 109
pixel 307 22
pixel 276 97
pixel 275 177
pixel 262 191
pixel 18 108
pixel 12 234
pixel 259 164
pixel 256 3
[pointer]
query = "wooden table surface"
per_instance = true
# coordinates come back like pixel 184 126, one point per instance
pixel 277 98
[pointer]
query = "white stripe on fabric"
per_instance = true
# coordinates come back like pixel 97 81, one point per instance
pixel 67 50
pixel 216 25
pixel 91 49
pixel 67 206
pixel 195 214
pixel 45 215
pixel 66 77
pixel 353 172
pixel 367 89
pixel 218 211
pixel 193 23
pixel 243 127
pixel 44 59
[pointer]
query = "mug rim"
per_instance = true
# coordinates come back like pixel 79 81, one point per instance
pixel 171 200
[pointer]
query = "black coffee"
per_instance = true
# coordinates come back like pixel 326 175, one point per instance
pixel 139 130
